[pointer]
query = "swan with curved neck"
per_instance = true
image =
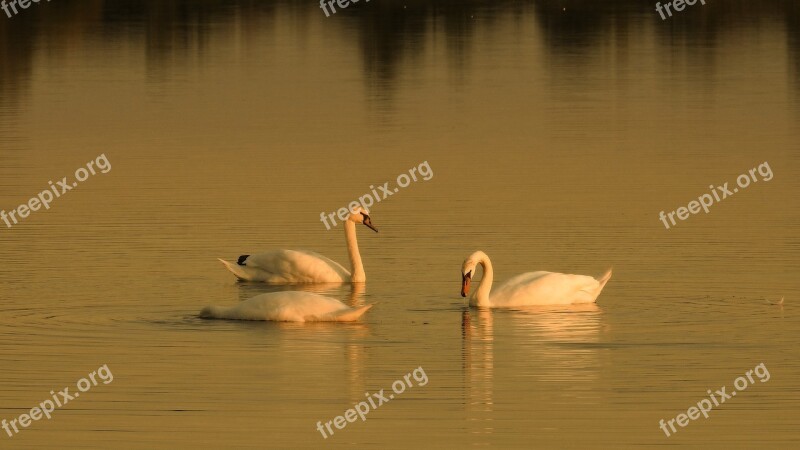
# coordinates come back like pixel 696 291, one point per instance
pixel 302 266
pixel 532 288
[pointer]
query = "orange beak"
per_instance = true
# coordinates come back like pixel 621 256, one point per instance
pixel 465 279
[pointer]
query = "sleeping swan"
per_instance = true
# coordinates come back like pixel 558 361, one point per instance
pixel 532 288
pixel 288 306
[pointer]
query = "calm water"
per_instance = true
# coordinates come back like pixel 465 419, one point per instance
pixel 556 132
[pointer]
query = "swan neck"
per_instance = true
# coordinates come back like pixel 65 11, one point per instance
pixel 356 267
pixel 482 293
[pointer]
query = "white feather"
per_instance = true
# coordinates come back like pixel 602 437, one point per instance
pixel 288 306
pixel 302 266
pixel 532 288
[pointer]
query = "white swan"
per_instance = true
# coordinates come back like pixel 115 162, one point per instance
pixel 289 306
pixel 301 266
pixel 532 288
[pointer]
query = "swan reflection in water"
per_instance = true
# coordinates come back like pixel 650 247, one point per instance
pixel 478 361
pixel 562 340
pixel 355 354
pixel 326 346
pixel 556 345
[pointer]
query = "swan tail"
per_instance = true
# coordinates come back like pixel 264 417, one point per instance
pixel 347 315
pixel 236 269
pixel 603 280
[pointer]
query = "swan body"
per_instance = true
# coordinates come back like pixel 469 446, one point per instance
pixel 532 288
pixel 302 266
pixel 288 306
pixel 287 267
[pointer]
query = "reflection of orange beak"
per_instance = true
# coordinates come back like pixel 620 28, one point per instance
pixel 465 279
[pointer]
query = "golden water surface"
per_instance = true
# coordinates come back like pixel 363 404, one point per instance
pixel 556 131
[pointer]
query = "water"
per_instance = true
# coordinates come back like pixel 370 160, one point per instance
pixel 556 133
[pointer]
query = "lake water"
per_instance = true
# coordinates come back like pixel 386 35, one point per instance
pixel 556 132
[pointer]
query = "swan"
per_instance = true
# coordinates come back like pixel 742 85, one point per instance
pixel 532 288
pixel 302 266
pixel 288 306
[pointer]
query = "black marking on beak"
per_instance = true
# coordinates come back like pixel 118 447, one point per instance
pixel 368 222
pixel 465 279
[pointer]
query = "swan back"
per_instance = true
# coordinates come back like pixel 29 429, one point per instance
pixel 548 288
pixel 289 266
pixel 288 306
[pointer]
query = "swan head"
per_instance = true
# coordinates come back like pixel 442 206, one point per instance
pixel 468 270
pixel 466 278
pixel 360 214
